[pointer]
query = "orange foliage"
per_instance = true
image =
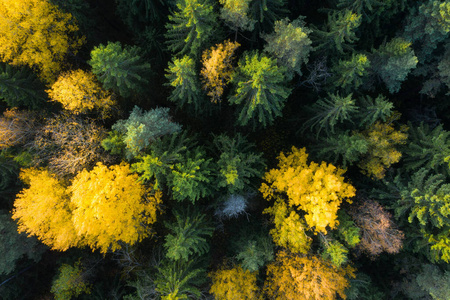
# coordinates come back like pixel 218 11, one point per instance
pixel 316 189
pixel 294 277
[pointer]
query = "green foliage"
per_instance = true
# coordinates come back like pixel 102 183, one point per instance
pixel 433 282
pixel 9 171
pixel 191 27
pixel 290 44
pixel 235 14
pixel 335 252
pixel 266 12
pixel 188 235
pixel 329 111
pixel 362 287
pixel 340 31
pixel 259 89
pixel 393 61
pixel 20 87
pixel 344 148
pixel 347 229
pixel 15 246
pixel 119 68
pixel 190 179
pixel 142 128
pixel 237 162
pixel 349 74
pixel 428 148
pixel 114 143
pixel 70 282
pixel 373 110
pixel 135 13
pixel 183 78
pixel 176 280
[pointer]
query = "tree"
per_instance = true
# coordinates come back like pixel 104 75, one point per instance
pixel 21 88
pixel 191 26
pixel 237 162
pixel 111 207
pixel 36 33
pixel 235 13
pixel 259 89
pixel 234 283
pixel 15 246
pixel 121 69
pixel 290 44
pixel 318 190
pixel 67 144
pixel 17 128
pixel 217 68
pixel 293 276
pixel 79 92
pixel 393 61
pixel 44 210
pixel 266 12
pixel 187 235
pixel 142 128
pixel 184 80
pixel 339 32
pixel 70 282
pixel 378 231
pixel 349 74
pixel 434 282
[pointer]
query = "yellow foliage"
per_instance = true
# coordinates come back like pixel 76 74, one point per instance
pixel 234 284
pixel 289 231
pixel 36 33
pixel 79 92
pixel 217 69
pixel 44 210
pixel 111 206
pixel 382 139
pixel 293 277
pixel 316 189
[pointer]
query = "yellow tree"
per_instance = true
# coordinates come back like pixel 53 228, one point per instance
pixel 318 190
pixel 44 210
pixel 80 92
pixel 112 207
pixel 234 283
pixel 36 33
pixel 292 277
pixel 217 68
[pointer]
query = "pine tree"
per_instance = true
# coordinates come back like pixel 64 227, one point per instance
pixel 191 27
pixel 339 32
pixel 183 78
pixel 266 12
pixel 21 88
pixel 235 13
pixel 121 69
pixel 259 89
pixel 372 110
pixel 188 235
pixel 349 74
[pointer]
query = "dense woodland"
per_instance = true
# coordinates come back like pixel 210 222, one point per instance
pixel 224 149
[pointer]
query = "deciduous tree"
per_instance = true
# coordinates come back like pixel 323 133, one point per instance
pixel 235 13
pixel 234 283
pixel 70 282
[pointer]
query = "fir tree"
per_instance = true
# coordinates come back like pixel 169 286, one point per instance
pixel 259 89
pixel 266 12
pixel 119 68
pixel 373 110
pixel 349 74
pixel 191 27
pixel 20 87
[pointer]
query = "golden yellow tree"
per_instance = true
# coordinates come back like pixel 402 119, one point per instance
pixel 234 283
pixel 80 92
pixel 44 210
pixel 112 207
pixel 318 190
pixel 217 68
pixel 294 277
pixel 36 33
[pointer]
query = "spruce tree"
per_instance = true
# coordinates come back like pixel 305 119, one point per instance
pixel 349 74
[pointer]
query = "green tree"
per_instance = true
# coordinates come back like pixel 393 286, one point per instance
pixel 235 13
pixel 121 69
pixel 290 44
pixel 237 162
pixel 142 128
pixel 266 12
pixel 21 88
pixel 188 235
pixel 70 282
pixel 349 74
pixel 339 32
pixel 186 88
pixel 259 90
pixel 191 27
pixel 393 61
pixel 14 246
